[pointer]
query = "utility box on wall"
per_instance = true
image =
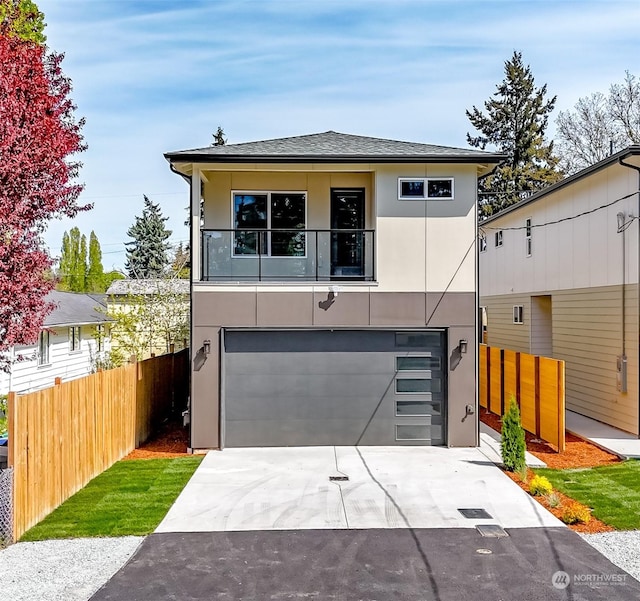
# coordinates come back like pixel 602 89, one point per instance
pixel 621 374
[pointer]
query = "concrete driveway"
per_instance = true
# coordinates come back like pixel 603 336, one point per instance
pixel 377 487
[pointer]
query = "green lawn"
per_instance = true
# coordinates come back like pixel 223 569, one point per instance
pixel 612 491
pixel 131 497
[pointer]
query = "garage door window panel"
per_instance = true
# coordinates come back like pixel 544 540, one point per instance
pixel 417 363
pixel 418 385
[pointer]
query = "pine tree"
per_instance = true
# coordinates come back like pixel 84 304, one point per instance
pixel 147 253
pixel 218 137
pixel 95 270
pixel 515 122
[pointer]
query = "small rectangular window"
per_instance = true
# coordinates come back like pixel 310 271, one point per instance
pixel 43 348
pixel 482 243
pixel 498 238
pixel 417 385
pixel 414 363
pixel 411 188
pixel 415 408
pixel 528 245
pixel 440 189
pixel 74 338
pixel 518 314
pixel 411 432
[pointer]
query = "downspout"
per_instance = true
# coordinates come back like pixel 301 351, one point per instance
pixel 189 410
pixel 636 168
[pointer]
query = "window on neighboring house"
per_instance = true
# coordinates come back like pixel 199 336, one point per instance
pixel 100 333
pixel 74 338
pixel 498 238
pixel 528 245
pixel 483 242
pixel 284 211
pixel 518 314
pixel 43 348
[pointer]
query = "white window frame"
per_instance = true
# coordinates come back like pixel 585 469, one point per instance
pixel 499 239
pixel 75 333
pixel 44 350
pixel 482 243
pixel 268 194
pixel 518 314
pixel 528 246
pixel 425 182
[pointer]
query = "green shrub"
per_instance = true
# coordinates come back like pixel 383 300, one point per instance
pixel 513 443
pixel 574 513
pixel 539 485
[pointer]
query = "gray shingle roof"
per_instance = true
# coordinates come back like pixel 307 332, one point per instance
pixel 74 309
pixel 150 286
pixel 333 146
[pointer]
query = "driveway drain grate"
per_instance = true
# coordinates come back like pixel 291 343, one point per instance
pixel 475 514
pixel 491 530
pixel 338 478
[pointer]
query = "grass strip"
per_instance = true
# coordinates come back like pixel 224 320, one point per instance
pixel 612 491
pixel 130 498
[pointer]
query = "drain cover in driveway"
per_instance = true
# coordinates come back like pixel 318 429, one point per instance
pixel 475 514
pixel 338 478
pixel 491 530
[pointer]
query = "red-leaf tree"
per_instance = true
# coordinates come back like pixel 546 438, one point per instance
pixel 38 138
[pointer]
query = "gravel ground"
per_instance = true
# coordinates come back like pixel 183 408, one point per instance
pixel 621 548
pixel 62 570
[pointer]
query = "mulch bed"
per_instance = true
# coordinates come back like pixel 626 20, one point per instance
pixel 578 453
pixel 171 441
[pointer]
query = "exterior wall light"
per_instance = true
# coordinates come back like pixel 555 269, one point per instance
pixel 206 347
pixel 462 345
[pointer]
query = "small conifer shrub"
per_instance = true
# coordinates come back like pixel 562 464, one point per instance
pixel 513 443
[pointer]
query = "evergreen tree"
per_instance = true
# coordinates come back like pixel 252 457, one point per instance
pixel 515 122
pixel 73 261
pixel 147 253
pixel 95 270
pixel 218 137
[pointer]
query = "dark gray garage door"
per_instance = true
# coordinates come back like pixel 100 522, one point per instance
pixel 290 388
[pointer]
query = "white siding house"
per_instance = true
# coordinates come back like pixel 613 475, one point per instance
pixel 559 276
pixel 73 336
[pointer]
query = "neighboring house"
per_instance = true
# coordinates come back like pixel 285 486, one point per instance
pixel 150 315
pixel 559 276
pixel 74 336
pixel 334 292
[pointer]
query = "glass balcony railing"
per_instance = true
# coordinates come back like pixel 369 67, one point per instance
pixel 288 255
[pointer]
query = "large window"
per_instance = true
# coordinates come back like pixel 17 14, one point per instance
pixel 273 223
pixel 43 348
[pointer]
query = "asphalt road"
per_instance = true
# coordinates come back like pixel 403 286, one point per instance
pixel 369 565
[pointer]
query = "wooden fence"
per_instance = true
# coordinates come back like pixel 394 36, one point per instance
pixel 62 437
pixel 537 383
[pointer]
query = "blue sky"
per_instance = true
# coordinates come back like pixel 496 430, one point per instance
pixel 153 76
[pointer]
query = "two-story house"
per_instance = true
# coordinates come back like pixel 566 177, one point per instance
pixel 334 296
pixel 559 277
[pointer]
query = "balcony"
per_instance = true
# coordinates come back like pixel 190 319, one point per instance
pixel 288 255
